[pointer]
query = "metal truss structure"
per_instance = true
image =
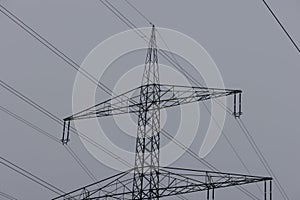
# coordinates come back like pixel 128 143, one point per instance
pixel 173 181
pixel 148 180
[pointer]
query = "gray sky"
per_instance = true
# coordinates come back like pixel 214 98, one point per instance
pixel 246 43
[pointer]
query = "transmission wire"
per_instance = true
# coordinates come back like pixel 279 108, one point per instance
pixel 57 120
pixel 139 12
pixel 261 157
pixel 50 136
pixel 281 25
pixel 30 176
pixel 8 196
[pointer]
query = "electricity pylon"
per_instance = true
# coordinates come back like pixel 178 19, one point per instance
pixel 150 180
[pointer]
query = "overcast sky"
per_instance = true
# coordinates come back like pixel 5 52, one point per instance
pixel 246 43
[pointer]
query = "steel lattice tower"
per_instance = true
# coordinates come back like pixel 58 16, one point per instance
pixel 150 180
pixel 148 136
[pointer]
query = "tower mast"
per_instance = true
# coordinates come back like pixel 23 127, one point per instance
pixel 148 130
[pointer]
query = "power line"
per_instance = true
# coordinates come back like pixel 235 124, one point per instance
pixel 242 125
pixel 7 196
pixel 59 121
pixel 31 176
pixel 258 152
pixel 139 12
pixel 123 18
pixel 262 158
pixel 281 25
pixel 50 136
pixel 231 145
pixel 81 163
pixel 19 118
pixel 52 48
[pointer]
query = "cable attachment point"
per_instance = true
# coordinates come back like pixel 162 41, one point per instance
pixel 237 106
pixel 66 132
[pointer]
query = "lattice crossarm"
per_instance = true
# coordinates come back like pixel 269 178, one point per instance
pixel 124 103
pixel 174 95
